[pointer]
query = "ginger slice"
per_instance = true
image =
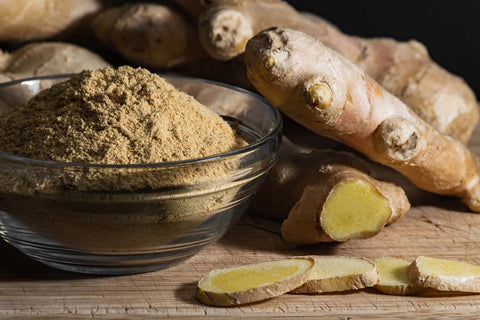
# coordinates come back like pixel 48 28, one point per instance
pixel 254 282
pixel 394 277
pixel 445 275
pixel 337 273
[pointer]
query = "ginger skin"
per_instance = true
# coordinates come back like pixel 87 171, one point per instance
pixel 23 20
pixel 302 186
pixel 47 58
pixel 404 68
pixel 153 35
pixel 328 94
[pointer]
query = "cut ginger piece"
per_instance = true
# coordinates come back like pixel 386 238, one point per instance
pixel 445 275
pixel 337 273
pixel 348 204
pixel 354 209
pixel 254 282
pixel 394 278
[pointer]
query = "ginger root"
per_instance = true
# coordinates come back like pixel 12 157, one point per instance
pixel 153 35
pixel 394 278
pixel 23 20
pixel 445 275
pixel 327 196
pixel 252 283
pixel 328 94
pixel 47 58
pixel 337 273
pixel 404 68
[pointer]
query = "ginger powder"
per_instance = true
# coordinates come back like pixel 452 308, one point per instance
pixel 115 116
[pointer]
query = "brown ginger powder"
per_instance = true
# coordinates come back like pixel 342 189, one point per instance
pixel 115 116
pixel 108 116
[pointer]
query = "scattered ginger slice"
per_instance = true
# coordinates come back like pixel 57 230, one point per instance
pixel 445 275
pixel 337 273
pixel 394 277
pixel 254 282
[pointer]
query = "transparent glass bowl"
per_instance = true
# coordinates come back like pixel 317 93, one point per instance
pixel 102 226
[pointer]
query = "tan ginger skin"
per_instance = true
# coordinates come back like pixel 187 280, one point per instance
pixel 328 94
pixel 47 58
pixel 153 35
pixel 404 68
pixel 23 20
pixel 301 185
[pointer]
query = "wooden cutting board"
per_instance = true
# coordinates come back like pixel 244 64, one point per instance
pixel 435 226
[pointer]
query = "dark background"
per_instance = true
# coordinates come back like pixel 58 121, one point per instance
pixel 449 29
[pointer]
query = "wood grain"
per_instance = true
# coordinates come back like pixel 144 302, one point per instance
pixel 435 226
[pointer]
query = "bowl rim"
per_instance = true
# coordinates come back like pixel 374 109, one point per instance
pixel 276 131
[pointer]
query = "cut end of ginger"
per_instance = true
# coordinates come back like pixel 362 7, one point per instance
pixel 252 283
pixel 337 273
pixel 394 278
pixel 445 275
pixel 354 209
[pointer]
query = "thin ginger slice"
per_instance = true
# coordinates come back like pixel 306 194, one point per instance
pixel 445 275
pixel 254 282
pixel 337 273
pixel 394 277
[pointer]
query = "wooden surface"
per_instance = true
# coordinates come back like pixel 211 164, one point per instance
pixel 435 226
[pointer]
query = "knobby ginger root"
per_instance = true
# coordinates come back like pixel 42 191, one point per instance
pixel 445 275
pixel 337 273
pixel 327 196
pixel 23 20
pixel 149 34
pixel 442 99
pixel 403 68
pixel 394 278
pixel 252 283
pixel 225 26
pixel 328 94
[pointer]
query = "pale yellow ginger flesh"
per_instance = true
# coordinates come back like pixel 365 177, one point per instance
pixel 445 275
pixel 255 282
pixel 337 273
pixel 354 209
pixel 394 278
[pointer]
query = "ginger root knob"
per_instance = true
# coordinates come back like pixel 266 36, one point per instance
pixel 319 95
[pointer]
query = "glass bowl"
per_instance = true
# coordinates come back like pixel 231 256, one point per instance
pixel 151 220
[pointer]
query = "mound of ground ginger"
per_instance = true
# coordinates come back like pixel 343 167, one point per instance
pixel 115 116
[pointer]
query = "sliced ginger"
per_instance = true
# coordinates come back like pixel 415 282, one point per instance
pixel 252 283
pixel 354 209
pixel 321 274
pixel 445 275
pixel 394 277
pixel 336 273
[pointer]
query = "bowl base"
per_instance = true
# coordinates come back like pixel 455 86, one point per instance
pixel 103 264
